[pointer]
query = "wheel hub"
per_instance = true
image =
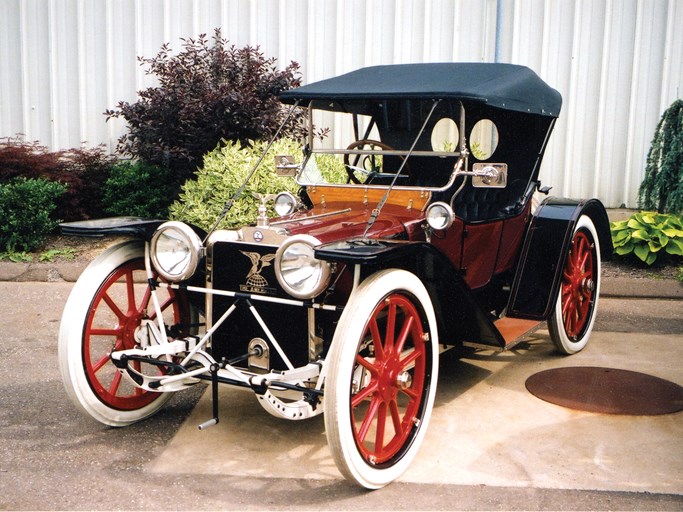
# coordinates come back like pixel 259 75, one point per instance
pixel 404 380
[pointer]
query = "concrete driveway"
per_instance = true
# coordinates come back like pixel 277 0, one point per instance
pixel 491 444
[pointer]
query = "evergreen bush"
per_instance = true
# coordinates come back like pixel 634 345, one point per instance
pixel 26 212
pixel 662 187
pixel 138 189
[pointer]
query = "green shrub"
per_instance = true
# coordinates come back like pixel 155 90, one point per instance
pixel 224 171
pixel 645 234
pixel 82 170
pixel 139 189
pixel 662 187
pixel 26 207
pixel 207 92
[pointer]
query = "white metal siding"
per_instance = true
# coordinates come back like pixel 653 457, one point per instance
pixel 617 63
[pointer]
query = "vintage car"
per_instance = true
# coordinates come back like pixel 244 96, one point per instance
pixel 429 238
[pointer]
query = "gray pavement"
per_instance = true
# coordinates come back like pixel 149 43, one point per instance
pixel 490 446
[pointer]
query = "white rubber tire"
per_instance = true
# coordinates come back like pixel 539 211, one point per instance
pixel 72 334
pixel 364 301
pixel 576 340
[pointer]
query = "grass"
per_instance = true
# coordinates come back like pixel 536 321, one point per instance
pixel 47 256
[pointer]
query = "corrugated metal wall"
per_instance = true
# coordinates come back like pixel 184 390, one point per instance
pixel 617 63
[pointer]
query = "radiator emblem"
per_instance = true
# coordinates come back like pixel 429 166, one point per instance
pixel 255 282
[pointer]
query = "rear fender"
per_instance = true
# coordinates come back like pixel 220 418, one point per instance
pixel 544 253
pixel 459 316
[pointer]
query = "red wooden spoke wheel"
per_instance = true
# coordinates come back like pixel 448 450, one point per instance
pixel 103 314
pixel 117 310
pixel 381 379
pixel 388 386
pixel 572 320
pixel 578 285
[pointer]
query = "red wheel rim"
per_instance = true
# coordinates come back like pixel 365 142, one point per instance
pixel 389 380
pixel 118 308
pixel 578 285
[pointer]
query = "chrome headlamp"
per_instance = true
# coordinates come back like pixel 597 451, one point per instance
pixel 298 272
pixel 439 215
pixel 175 250
pixel 285 203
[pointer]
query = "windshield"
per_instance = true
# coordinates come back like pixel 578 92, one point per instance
pixel 378 150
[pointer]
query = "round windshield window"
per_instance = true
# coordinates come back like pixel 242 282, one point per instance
pixel 483 139
pixel 445 135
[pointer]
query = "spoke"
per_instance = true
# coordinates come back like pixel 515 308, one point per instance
pixel 367 421
pixel 395 416
pixel 391 325
pixel 115 383
pixel 410 359
pixel 113 306
pixel 106 332
pixel 381 427
pixel 364 393
pixel 410 392
pixel 366 364
pixel 99 364
pixel 144 303
pixel 130 291
pixel 376 339
pixel 405 330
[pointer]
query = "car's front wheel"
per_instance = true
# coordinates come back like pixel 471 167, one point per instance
pixel 571 323
pixel 103 313
pixel 381 382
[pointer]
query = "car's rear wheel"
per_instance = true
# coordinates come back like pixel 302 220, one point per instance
pixel 380 387
pixel 102 314
pixel 571 322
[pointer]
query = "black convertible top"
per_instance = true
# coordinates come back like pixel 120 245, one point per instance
pixel 505 86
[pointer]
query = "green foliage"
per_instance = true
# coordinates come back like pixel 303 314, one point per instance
pixel 662 187
pixel 225 169
pixel 16 257
pixel 50 255
pixel 138 189
pixel 82 170
pixel 207 92
pixel 645 234
pixel 26 207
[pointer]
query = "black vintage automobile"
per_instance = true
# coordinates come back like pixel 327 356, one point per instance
pixel 424 236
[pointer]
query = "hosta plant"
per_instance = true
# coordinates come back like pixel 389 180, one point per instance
pixel 648 235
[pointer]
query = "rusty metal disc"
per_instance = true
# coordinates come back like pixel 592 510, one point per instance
pixel 606 390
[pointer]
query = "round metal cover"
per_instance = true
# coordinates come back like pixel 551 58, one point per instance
pixel 606 390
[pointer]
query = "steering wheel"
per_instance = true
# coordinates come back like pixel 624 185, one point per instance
pixel 368 165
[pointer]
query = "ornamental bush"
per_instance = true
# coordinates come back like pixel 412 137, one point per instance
pixel 208 92
pixel 662 187
pixel 26 211
pixel 225 169
pixel 647 235
pixel 82 170
pixel 138 189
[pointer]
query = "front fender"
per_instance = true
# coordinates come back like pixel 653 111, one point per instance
pixel 539 270
pixel 131 226
pixel 135 227
pixel 458 314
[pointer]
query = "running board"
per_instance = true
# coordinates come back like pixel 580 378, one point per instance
pixel 513 331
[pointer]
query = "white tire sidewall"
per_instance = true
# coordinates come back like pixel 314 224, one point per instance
pixel 556 326
pixel 341 359
pixel 71 330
